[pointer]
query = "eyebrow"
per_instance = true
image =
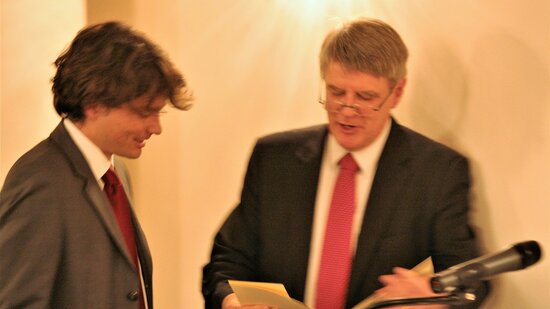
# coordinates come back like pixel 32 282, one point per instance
pixel 368 93
pixel 150 108
pixel 372 94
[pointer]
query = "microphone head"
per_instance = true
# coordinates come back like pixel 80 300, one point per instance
pixel 470 273
pixel 529 251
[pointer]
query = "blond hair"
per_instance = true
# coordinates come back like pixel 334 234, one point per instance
pixel 366 45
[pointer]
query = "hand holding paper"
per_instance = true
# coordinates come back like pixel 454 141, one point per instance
pixel 425 269
pixel 275 294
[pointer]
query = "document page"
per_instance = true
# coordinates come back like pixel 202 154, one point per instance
pixel 272 294
pixel 275 294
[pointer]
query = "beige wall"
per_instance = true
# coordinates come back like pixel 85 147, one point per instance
pixel 33 33
pixel 479 76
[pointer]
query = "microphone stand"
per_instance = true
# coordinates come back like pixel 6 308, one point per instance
pixel 455 298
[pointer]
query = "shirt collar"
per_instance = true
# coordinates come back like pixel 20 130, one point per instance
pixel 98 162
pixel 366 158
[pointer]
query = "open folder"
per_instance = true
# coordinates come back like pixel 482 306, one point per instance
pixel 275 294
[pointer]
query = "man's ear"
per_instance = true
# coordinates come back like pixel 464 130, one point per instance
pixel 400 87
pixel 398 91
pixel 94 110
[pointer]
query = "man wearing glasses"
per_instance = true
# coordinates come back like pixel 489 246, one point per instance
pixel 331 210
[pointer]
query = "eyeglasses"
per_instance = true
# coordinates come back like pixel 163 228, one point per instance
pixel 361 109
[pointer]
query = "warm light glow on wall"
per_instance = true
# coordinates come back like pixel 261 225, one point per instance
pixel 319 9
pixel 331 12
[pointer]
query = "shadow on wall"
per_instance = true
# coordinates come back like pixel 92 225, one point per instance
pixel 502 88
pixel 440 94
pixel 511 104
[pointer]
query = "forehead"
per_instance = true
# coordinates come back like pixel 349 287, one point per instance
pixel 340 77
pixel 149 102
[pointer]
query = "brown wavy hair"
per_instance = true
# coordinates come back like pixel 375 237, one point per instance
pixel 111 64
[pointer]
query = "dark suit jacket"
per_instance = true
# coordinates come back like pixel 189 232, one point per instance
pixel 418 207
pixel 59 241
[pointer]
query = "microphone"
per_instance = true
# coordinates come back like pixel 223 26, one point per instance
pixel 469 273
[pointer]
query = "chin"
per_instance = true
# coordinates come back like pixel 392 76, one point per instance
pixel 351 148
pixel 347 144
pixel 135 156
pixel 130 155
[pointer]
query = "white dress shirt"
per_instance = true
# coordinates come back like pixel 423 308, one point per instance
pixel 97 161
pixel 367 159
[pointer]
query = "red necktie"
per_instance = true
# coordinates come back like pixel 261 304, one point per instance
pixel 337 256
pixel 121 208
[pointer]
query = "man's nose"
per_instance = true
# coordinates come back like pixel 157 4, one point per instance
pixel 154 126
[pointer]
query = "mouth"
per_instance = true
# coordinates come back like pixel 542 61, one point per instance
pixel 141 143
pixel 347 125
pixel 347 128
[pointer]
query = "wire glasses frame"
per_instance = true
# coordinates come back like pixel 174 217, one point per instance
pixel 359 109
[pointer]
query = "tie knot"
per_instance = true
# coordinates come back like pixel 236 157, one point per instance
pixel 348 163
pixel 111 180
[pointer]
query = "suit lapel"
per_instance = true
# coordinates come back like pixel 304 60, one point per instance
pixel 390 177
pixel 309 157
pixel 142 247
pixel 90 188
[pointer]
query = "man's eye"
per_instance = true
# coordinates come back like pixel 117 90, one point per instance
pixel 151 113
pixel 144 114
pixel 366 99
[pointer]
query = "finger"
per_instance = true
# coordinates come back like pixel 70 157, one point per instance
pixel 387 279
pixel 400 270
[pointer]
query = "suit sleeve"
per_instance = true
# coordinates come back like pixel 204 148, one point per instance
pixel 234 252
pixel 31 240
pixel 454 240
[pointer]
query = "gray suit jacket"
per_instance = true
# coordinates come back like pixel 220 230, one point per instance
pixel 60 245
pixel 418 207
